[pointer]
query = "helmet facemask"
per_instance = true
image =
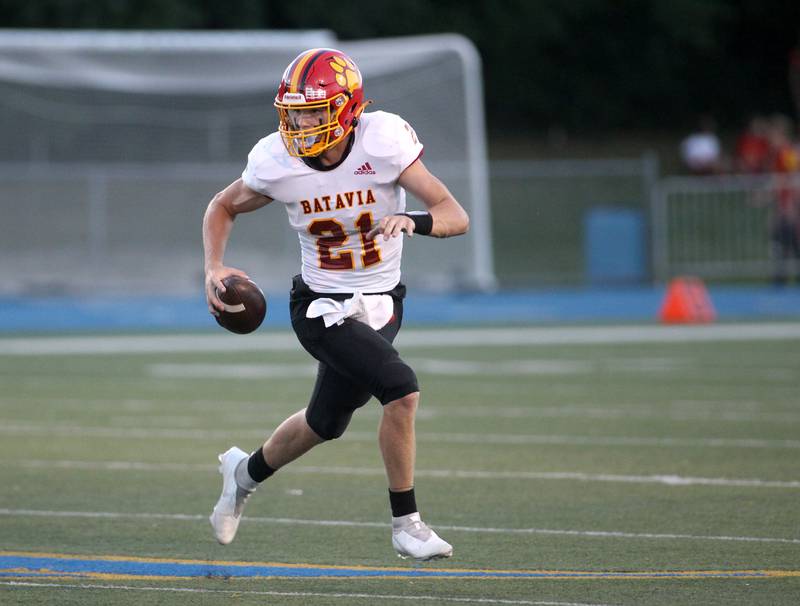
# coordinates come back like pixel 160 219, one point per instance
pixel 309 128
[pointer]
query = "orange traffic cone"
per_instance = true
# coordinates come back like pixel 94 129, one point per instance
pixel 687 302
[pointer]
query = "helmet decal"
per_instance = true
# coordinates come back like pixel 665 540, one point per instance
pixel 313 94
pixel 347 74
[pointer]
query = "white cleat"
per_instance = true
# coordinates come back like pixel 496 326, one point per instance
pixel 228 510
pixel 411 538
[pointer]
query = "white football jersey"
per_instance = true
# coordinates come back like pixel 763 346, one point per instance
pixel 333 210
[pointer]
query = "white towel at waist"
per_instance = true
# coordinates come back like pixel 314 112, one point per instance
pixel 374 310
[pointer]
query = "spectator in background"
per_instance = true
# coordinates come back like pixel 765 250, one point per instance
pixel 701 151
pixel 783 153
pixel 784 161
pixel 752 147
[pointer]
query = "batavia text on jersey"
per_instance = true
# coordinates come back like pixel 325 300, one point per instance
pixel 340 201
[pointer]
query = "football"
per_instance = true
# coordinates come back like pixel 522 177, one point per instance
pixel 245 305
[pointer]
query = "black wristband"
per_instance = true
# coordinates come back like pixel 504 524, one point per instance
pixel 423 221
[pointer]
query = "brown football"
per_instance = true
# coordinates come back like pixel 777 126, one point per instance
pixel 245 305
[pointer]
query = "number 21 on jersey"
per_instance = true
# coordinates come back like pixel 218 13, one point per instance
pixel 332 234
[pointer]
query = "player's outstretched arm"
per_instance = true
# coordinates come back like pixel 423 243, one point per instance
pixel 449 218
pixel 235 199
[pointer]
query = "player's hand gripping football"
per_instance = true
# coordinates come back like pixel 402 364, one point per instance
pixel 392 226
pixel 214 283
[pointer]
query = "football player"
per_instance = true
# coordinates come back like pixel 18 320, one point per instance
pixel 341 174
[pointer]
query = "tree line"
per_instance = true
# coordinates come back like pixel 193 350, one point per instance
pixel 583 65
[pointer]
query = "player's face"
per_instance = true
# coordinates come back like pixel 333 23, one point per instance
pixel 303 119
pixel 307 128
pixel 308 119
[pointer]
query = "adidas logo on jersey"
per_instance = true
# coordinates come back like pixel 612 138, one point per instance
pixel 364 169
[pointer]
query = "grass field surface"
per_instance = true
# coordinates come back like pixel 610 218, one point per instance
pixel 609 469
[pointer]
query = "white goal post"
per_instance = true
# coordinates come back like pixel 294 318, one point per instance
pixel 134 132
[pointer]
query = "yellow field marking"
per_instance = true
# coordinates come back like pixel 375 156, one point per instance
pixel 402 572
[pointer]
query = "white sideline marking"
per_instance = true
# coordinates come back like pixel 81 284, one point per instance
pixel 304 369
pixel 8 427
pixel 669 480
pixel 486 337
pixel 232 371
pixel 310 594
pixel 591 412
pixel 508 367
pixel 345 523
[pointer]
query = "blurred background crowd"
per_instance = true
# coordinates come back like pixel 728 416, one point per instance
pixel 768 145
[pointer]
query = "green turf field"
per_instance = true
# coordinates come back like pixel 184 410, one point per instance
pixel 673 460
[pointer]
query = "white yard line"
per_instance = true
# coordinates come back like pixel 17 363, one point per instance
pixel 9 427
pixel 232 371
pixel 733 412
pixel 349 524
pixel 447 367
pixel 484 337
pixel 664 479
pixel 644 411
pixel 292 594
pixel 426 365
pixel 503 367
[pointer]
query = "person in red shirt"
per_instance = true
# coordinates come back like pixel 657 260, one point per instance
pixel 752 147
pixel 785 164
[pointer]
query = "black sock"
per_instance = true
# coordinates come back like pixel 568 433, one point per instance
pixel 403 503
pixel 257 466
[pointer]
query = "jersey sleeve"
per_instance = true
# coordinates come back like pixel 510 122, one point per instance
pixel 409 146
pixel 250 175
pixel 264 165
pixel 394 141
